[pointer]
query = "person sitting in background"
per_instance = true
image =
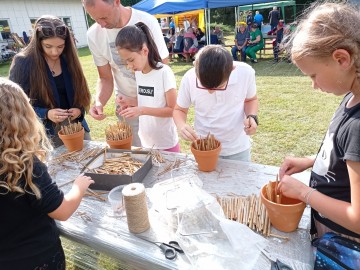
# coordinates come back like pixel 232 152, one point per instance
pixel 178 47
pixel 220 35
pixel 279 32
pixel 200 36
pixel 255 44
pixel 241 39
pixel 190 44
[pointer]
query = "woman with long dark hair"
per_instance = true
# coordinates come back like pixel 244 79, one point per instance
pixel 49 71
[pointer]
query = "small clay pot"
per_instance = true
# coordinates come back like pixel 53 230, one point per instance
pixel 73 142
pixel 286 216
pixel 206 160
pixel 121 144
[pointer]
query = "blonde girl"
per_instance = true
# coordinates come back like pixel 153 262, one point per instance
pixel 29 200
pixel 326 47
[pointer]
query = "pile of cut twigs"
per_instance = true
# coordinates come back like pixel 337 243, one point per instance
pixel 206 144
pixel 118 131
pixel 246 210
pixel 123 164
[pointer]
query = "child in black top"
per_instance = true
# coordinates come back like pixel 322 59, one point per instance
pixel 30 201
pixel 326 51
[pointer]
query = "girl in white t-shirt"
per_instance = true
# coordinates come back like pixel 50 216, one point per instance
pixel 156 89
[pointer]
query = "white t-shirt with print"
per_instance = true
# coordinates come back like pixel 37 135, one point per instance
pixel 102 46
pixel 156 132
pixel 222 112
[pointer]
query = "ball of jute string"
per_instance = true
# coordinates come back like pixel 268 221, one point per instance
pixel 135 207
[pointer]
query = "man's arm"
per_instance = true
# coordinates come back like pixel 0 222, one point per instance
pixel 104 90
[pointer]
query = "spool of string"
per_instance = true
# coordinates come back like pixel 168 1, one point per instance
pixel 136 208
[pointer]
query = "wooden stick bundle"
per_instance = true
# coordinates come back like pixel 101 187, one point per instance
pixel 118 131
pixel 272 193
pixel 246 210
pixel 206 144
pixel 71 128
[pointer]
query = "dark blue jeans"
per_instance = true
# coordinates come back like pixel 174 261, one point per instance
pixel 234 51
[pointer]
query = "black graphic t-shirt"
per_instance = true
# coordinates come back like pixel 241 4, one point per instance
pixel 329 174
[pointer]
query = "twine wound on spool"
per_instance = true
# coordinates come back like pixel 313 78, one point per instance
pixel 136 208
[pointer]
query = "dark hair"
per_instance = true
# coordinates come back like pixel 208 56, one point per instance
pixel 134 37
pixel 254 25
pixel 213 65
pixel 39 81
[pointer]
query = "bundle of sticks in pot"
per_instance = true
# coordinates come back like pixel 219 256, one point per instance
pixel 71 128
pixel 206 144
pixel 72 136
pixel 272 192
pixel 119 135
pixel 206 152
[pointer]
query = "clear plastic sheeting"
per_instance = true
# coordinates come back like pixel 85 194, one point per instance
pixel 209 240
pixel 100 238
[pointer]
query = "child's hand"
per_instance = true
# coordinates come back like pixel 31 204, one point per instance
pixel 292 188
pixel 188 133
pixel 131 112
pixel 82 182
pixel 57 115
pixel 293 165
pixel 74 113
pixel 250 126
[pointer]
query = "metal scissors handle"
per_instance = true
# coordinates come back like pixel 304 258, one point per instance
pixel 168 249
pixel 170 253
pixel 175 245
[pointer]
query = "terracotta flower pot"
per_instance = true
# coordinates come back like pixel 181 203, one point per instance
pixel 206 160
pixel 73 142
pixel 121 144
pixel 286 216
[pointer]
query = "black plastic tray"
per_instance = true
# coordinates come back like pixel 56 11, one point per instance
pixel 109 181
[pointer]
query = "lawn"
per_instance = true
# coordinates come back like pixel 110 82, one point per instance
pixel 293 118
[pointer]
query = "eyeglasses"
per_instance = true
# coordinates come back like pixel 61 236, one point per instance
pixel 48 31
pixel 212 89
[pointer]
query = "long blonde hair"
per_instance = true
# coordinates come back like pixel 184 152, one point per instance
pixel 325 28
pixel 22 137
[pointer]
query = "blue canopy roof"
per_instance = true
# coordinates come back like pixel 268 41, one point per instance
pixel 169 6
pixel 177 6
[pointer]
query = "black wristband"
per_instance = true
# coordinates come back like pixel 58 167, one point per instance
pixel 255 117
pixel 47 114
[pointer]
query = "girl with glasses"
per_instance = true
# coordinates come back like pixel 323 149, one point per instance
pixel 49 71
pixel 156 89
pixel 29 199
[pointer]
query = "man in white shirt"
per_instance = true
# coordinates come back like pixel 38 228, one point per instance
pixel 110 17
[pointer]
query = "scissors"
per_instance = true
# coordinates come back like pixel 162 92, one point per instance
pixel 170 249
